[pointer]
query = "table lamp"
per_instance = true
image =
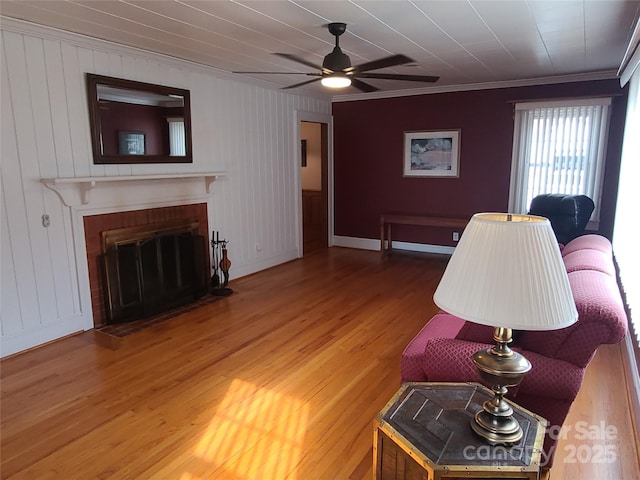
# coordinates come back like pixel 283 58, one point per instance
pixel 506 272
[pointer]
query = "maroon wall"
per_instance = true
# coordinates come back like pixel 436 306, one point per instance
pixel 150 120
pixel 368 151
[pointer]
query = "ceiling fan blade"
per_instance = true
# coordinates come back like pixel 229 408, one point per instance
pixel 283 73
pixel 391 76
pixel 301 83
pixel 391 61
pixel 298 59
pixel 362 86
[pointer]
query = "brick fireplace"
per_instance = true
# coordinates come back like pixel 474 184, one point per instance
pixel 95 225
pixel 99 203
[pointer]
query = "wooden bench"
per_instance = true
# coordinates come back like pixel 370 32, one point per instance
pixel 387 219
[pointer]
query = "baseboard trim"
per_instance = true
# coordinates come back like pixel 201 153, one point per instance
pixel 355 242
pixel 40 335
pixel 261 264
pixel 374 244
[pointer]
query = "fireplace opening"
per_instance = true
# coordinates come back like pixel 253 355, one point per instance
pixel 152 268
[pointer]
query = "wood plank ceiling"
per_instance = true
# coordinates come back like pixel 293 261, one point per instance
pixel 462 42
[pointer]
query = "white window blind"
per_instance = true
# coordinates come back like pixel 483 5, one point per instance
pixel 177 140
pixel 559 147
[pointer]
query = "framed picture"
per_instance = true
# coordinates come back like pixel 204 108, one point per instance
pixel 432 154
pixel 131 143
pixel 303 152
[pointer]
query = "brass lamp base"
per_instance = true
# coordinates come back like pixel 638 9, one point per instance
pixel 496 423
pixel 500 367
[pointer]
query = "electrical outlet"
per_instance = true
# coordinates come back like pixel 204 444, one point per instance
pixel 46 221
pixel 456 236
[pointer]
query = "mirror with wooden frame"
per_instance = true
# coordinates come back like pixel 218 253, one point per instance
pixel 135 122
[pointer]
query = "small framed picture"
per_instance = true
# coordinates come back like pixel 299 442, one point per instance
pixel 432 154
pixel 131 143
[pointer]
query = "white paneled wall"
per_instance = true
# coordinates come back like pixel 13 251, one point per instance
pixel 248 131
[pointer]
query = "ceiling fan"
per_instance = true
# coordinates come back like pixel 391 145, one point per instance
pixel 336 70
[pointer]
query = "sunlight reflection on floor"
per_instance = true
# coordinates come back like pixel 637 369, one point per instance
pixel 256 433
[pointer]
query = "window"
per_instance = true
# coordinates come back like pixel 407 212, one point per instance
pixel 176 137
pixel 625 238
pixel 559 147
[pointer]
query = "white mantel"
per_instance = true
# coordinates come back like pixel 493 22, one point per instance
pixel 91 192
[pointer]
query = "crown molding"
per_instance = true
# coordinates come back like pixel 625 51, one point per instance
pixel 527 82
pixel 631 60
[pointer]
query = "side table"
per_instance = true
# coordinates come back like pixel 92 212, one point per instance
pixel 387 219
pixel 424 433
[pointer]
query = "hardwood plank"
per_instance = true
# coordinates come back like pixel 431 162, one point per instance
pixel 281 380
pixel 598 439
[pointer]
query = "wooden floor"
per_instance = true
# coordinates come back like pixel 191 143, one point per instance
pixel 279 381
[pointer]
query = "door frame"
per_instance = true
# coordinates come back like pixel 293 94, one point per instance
pixel 314 117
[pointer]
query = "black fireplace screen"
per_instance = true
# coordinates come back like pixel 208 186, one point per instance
pixel 150 274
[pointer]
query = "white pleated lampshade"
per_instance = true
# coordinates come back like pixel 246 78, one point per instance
pixel 507 271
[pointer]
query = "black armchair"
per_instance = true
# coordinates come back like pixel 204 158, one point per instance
pixel 568 214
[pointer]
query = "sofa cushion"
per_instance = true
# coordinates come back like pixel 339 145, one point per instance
pixel 450 360
pixel 474 332
pixel 441 325
pixel 602 316
pixel 589 259
pixel 590 241
pixel 546 342
pixel 601 319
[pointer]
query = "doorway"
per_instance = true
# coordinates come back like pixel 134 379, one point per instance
pixel 314 181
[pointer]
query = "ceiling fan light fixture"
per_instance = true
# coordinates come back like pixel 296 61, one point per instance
pixel 337 60
pixel 335 81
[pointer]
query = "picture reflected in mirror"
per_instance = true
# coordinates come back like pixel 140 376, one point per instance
pixel 135 122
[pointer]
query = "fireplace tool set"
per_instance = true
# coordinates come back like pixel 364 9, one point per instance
pixel 220 262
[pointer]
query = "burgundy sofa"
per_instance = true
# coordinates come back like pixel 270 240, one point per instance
pixel 442 350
